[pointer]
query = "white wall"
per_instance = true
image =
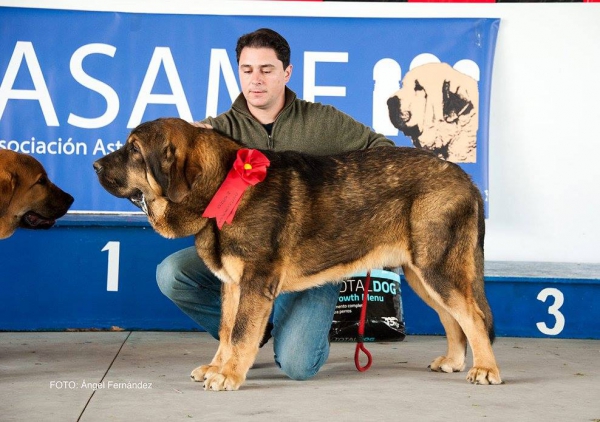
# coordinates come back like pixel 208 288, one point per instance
pixel 545 108
pixel 544 141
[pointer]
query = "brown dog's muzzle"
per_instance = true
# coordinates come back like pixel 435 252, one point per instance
pixel 98 167
pixel 110 172
pixel 57 205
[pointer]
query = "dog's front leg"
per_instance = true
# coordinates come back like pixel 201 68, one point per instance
pixel 253 314
pixel 230 297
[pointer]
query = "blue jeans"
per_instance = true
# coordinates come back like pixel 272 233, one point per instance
pixel 301 320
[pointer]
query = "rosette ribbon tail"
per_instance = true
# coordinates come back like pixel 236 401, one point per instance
pixel 249 168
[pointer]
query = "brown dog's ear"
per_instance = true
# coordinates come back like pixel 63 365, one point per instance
pixel 178 187
pixel 7 189
pixel 168 171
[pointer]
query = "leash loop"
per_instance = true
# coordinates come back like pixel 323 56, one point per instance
pixel 360 338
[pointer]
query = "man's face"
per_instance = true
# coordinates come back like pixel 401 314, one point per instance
pixel 263 78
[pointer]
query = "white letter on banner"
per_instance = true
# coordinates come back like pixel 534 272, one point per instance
pixel 145 97
pixel 109 94
pixel 24 49
pixel 386 75
pixel 219 60
pixel 310 89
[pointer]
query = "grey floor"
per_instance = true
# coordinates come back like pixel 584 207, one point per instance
pixel 145 377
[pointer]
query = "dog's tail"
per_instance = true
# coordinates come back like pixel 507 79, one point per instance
pixel 479 285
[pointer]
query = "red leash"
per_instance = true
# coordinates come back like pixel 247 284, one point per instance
pixel 361 330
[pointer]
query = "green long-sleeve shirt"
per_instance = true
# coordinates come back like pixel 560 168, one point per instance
pixel 302 126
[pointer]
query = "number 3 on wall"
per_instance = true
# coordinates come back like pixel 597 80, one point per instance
pixel 553 310
pixel 112 274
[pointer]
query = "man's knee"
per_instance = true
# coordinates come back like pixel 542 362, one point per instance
pixel 304 367
pixel 166 276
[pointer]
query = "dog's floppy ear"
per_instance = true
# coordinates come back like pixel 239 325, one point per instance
pixel 168 160
pixel 167 166
pixel 456 103
pixel 433 107
pixel 7 189
pixel 179 186
pixel 161 163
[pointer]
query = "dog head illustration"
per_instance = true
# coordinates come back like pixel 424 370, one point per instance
pixel 437 107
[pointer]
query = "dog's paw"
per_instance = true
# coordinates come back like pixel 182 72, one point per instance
pixel 220 382
pixel 445 364
pixel 203 372
pixel 478 375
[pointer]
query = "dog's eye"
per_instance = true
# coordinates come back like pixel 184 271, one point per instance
pixel 418 86
pixel 134 148
pixel 43 180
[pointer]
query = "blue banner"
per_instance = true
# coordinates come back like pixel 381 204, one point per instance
pixel 73 84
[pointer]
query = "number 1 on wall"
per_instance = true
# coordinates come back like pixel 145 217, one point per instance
pixel 112 274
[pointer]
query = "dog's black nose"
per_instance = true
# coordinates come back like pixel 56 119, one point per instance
pixel 393 104
pixel 97 167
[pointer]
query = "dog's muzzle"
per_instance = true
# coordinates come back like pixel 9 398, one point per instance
pixel 97 167
pixel 397 118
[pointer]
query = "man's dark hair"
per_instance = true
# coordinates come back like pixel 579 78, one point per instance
pixel 265 38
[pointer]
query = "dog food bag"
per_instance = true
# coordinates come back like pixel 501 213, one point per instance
pixel 384 320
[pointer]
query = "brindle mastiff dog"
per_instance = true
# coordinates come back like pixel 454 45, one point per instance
pixel 27 197
pixel 314 220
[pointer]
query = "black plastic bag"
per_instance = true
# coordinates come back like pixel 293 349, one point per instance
pixel 384 320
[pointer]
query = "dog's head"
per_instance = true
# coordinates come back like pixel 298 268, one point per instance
pixel 28 198
pixel 435 104
pixel 156 169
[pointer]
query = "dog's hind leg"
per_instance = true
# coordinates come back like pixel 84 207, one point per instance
pixel 473 321
pixel 460 305
pixel 230 296
pixel 454 359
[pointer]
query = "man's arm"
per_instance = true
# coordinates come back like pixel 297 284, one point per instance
pixel 378 140
pixel 351 133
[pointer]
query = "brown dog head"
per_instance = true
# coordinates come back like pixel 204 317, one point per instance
pixel 28 198
pixel 157 167
pixel 437 107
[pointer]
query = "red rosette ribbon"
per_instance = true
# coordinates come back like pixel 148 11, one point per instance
pixel 249 168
